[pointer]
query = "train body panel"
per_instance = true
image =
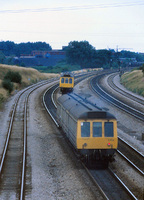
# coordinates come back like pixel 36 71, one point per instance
pixel 90 130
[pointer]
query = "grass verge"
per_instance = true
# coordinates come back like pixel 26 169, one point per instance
pixel 134 81
pixel 29 76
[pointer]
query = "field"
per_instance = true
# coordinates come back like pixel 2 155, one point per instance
pixel 29 76
pixel 60 67
pixel 134 81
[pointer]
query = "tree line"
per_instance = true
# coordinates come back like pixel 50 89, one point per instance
pixel 77 53
pixel 85 55
pixel 9 48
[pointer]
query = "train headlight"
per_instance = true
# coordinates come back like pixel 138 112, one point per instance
pixel 84 145
pixel 110 145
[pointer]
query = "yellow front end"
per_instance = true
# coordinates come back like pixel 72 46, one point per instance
pixel 66 82
pixel 97 134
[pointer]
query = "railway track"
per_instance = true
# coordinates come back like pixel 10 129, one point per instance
pixel 106 176
pixel 133 157
pixel 121 91
pixel 96 87
pixel 111 185
pixel 124 149
pixel 13 159
pixel 50 99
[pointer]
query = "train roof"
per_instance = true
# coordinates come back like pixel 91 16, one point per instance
pixel 67 74
pixel 80 108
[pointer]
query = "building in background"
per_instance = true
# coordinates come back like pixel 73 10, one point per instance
pixel 41 58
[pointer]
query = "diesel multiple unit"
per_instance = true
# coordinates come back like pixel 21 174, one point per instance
pixel 92 131
pixel 66 83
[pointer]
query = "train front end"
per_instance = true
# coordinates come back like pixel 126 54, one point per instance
pixel 97 136
pixel 66 84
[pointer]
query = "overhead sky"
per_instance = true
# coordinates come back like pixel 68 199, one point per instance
pixel 115 24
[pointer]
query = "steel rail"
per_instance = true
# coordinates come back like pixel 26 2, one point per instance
pixel 8 135
pixel 110 77
pixel 139 153
pixel 24 148
pixel 118 102
pixel 123 185
pixel 52 97
pixel 124 110
pixel 95 182
pixel 131 163
pixel 12 118
pixel 25 136
pixel 10 128
pixel 121 91
pixel 47 107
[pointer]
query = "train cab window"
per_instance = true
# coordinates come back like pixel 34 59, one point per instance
pixel 85 129
pixel 70 80
pixel 109 129
pixel 97 129
pixel 62 80
pixel 66 80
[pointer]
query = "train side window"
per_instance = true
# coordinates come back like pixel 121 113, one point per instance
pixel 109 129
pixel 97 129
pixel 66 80
pixel 62 80
pixel 85 129
pixel 70 80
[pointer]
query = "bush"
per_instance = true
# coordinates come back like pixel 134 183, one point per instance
pixel 8 85
pixel 1 99
pixel 13 77
pixel 142 68
pixel 143 71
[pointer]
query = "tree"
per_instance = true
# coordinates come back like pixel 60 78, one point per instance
pixel 104 58
pixel 7 47
pixel 142 68
pixel 85 55
pixel 143 71
pixel 8 85
pixel 2 57
pixel 13 77
pixel 81 53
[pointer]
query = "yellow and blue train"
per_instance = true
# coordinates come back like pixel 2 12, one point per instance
pixel 92 132
pixel 66 83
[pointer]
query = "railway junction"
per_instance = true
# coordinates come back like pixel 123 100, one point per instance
pixel 52 170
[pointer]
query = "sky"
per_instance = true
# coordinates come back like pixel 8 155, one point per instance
pixel 105 24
